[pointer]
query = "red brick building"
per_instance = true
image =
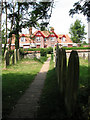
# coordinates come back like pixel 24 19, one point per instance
pixel 41 39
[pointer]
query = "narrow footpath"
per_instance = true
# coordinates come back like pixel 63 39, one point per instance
pixel 28 104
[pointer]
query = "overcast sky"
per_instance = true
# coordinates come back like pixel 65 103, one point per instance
pixel 60 18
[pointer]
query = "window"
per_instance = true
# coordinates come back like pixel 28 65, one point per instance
pixel 22 39
pixel 38 38
pixel 52 46
pixel 52 38
pixel 63 39
pixel 44 39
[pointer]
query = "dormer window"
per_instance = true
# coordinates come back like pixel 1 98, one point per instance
pixel 52 38
pixel 63 39
pixel 44 39
pixel 22 39
pixel 38 38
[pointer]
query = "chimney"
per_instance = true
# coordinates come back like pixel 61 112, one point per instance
pixel 30 31
pixel 52 29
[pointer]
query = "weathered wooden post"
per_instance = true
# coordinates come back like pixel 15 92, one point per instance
pixel 18 56
pixel 59 66
pixel 62 71
pixel 57 47
pixel 15 59
pixel 12 59
pixel 54 54
pixel 6 59
pixel 72 82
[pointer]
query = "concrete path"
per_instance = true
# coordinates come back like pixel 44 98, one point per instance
pixel 28 104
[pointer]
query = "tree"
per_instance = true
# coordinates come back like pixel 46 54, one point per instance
pixel 27 14
pixel 3 34
pixel 24 18
pixel 82 6
pixel 77 31
pixel 6 26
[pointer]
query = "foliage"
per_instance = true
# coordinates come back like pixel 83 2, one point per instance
pixel 35 12
pixel 75 48
pixel 32 49
pixel 77 31
pixel 43 52
pixel 49 50
pixel 82 6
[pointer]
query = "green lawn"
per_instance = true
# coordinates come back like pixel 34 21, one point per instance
pixel 51 103
pixel 15 80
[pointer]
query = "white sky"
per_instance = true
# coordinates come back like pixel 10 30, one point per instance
pixel 61 20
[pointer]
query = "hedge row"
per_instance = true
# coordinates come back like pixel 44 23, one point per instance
pixel 49 50
pixel 43 51
pixel 75 48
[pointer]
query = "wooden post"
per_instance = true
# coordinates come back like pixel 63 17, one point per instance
pixel 6 59
pixel 15 59
pixel 18 57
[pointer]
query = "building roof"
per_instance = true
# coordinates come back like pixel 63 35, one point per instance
pixel 67 38
pixel 44 33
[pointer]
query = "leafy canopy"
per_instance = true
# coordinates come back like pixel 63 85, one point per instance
pixel 82 6
pixel 77 31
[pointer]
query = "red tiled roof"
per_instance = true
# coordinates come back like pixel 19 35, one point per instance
pixel 44 33
pixel 68 40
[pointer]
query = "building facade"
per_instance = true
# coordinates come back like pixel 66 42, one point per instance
pixel 41 39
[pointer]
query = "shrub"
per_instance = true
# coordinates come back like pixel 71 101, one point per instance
pixel 74 48
pixel 43 52
pixel 49 50
pixel 21 51
pixel 52 56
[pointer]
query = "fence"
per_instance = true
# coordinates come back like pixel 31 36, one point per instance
pixel 68 77
pixel 11 59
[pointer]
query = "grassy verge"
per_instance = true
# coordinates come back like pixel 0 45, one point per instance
pixel 15 80
pixel 51 103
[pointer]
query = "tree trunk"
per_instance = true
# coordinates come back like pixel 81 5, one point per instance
pixel 6 26
pixel 11 26
pixel 17 24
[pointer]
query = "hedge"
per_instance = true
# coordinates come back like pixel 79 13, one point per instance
pixel 75 48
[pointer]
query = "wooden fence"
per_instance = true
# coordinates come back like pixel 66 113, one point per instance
pixel 68 77
pixel 11 59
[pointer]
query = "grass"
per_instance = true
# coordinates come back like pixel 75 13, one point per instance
pixel 15 80
pixel 51 103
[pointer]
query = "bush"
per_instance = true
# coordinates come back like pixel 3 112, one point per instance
pixel 32 49
pixel 43 52
pixel 49 50
pixel 75 48
pixel 21 51
pixel 52 56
